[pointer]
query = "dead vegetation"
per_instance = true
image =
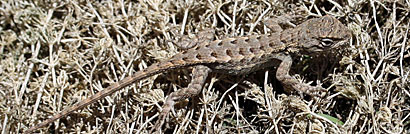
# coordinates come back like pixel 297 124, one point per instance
pixel 54 54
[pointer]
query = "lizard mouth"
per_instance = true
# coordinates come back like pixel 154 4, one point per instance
pixel 313 50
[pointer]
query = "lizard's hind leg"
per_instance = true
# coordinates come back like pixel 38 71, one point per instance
pixel 199 75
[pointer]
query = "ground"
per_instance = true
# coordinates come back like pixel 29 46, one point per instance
pixel 54 54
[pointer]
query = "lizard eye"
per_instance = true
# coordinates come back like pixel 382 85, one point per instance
pixel 327 42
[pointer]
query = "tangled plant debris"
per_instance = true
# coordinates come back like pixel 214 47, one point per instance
pixel 54 54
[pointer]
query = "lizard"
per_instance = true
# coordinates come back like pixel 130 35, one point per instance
pixel 236 56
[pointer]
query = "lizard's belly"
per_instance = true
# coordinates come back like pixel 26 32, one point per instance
pixel 243 67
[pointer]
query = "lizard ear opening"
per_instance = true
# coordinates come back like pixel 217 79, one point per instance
pixel 326 42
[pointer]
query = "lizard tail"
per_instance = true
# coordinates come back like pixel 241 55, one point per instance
pixel 151 70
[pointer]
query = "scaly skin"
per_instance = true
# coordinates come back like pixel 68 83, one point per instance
pixel 236 56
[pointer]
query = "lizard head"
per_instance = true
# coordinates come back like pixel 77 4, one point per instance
pixel 319 34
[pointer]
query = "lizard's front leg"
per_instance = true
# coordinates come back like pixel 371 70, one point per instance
pixel 290 82
pixel 199 75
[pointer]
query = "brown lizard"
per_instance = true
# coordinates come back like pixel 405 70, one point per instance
pixel 236 56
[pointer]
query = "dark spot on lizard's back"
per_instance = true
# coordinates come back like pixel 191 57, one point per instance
pixel 292 39
pixel 246 40
pixel 264 56
pixel 262 47
pixel 272 44
pixel 185 58
pixel 253 50
pixel 259 38
pixel 243 51
pixel 229 52
pixel 214 54
pixel 199 57
pixel 254 59
pixel 184 52
pixel 198 47
pixel 235 41
pixel 220 44
pixel 207 45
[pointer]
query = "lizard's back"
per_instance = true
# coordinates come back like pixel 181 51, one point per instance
pixel 233 55
pixel 242 55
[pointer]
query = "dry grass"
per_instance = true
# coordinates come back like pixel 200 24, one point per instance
pixel 55 54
